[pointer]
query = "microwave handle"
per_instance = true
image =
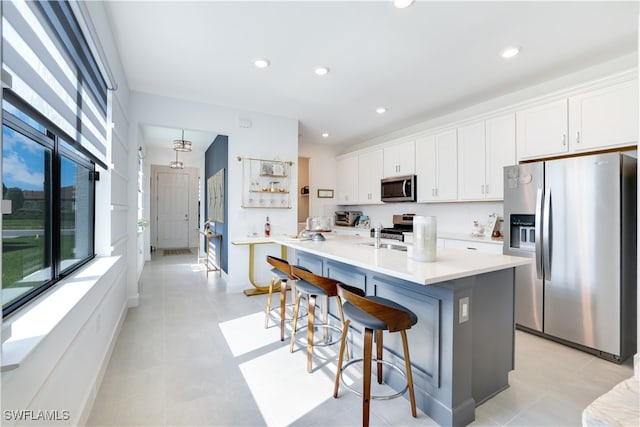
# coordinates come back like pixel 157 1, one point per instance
pixel 404 187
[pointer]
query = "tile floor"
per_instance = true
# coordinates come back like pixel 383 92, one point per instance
pixel 193 354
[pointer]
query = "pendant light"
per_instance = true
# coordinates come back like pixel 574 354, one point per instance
pixel 175 164
pixel 181 144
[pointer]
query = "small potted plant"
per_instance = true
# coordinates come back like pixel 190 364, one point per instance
pixel 142 223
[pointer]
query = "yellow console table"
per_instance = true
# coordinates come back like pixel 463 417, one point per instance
pixel 252 242
pixel 211 262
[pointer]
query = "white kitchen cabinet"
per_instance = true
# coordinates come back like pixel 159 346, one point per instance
pixel 542 131
pixel 347 180
pixel 598 119
pixel 484 149
pixel 369 176
pixel 500 151
pixel 436 167
pixel 471 161
pixel 604 118
pixel 399 159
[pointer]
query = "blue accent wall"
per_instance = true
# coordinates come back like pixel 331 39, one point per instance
pixel 215 158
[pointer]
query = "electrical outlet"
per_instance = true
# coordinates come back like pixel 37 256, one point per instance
pixel 463 309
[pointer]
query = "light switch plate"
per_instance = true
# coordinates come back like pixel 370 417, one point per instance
pixel 463 309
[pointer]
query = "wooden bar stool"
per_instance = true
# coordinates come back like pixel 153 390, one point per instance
pixel 313 286
pixel 281 275
pixel 375 314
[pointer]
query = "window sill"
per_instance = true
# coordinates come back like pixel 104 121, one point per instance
pixel 31 325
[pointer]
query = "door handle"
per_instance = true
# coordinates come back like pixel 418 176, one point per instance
pixel 547 238
pixel 538 225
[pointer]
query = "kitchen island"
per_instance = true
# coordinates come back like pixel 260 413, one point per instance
pixel 462 347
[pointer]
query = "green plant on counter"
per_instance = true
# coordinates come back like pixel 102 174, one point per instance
pixel 142 223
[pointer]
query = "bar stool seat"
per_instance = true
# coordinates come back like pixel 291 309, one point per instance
pixel 369 321
pixel 281 274
pixel 314 286
pixel 375 314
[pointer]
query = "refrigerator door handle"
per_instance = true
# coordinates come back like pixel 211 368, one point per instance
pixel 538 231
pixel 546 234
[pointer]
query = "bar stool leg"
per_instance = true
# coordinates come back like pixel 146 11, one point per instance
pixel 311 299
pixel 283 303
pixel 379 354
pixel 294 323
pixel 343 342
pixel 266 317
pixel 407 364
pixel 366 392
pixel 325 318
pixel 343 325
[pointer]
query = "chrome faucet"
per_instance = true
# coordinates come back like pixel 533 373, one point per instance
pixel 376 236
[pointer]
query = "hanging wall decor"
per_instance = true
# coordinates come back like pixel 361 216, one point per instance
pixel 215 196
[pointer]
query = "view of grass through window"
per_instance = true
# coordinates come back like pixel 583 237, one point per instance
pixel 26 237
pixel 47 205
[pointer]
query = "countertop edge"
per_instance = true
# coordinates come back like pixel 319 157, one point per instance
pixel 505 261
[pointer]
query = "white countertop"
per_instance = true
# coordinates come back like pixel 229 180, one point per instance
pixel 450 264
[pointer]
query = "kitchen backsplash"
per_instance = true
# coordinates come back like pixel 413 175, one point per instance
pixel 452 217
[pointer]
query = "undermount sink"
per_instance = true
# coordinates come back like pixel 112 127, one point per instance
pixel 389 246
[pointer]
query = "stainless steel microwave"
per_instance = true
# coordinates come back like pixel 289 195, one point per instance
pixel 398 189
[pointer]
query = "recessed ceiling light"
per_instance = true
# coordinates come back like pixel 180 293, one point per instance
pixel 402 4
pixel 321 71
pixel 325 135
pixel 510 52
pixel 381 110
pixel 262 62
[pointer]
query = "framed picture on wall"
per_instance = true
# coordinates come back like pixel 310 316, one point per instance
pixel 215 197
pixel 325 194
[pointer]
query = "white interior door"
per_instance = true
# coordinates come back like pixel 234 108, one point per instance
pixel 173 210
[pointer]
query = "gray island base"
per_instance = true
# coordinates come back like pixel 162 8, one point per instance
pixel 462 347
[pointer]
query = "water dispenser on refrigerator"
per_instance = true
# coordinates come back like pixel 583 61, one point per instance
pixel 523 232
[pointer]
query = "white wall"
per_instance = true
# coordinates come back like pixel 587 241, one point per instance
pixel 322 174
pixel 269 137
pixel 452 217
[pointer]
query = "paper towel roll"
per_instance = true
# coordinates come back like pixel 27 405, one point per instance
pixel 424 238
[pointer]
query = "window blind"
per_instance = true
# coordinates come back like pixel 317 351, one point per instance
pixel 53 70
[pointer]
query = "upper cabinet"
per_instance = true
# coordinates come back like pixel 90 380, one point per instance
pixel 542 130
pixel 369 176
pixel 399 159
pixel 436 167
pixel 484 149
pixel 598 119
pixel 347 180
pixel 467 162
pixel 604 118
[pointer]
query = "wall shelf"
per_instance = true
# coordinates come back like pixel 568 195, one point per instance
pixel 265 183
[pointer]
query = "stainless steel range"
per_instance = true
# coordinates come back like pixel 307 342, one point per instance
pixel 401 223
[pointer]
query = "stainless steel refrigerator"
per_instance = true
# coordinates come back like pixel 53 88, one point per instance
pixel 576 218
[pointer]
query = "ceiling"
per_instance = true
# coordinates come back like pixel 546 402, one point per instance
pixel 421 62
